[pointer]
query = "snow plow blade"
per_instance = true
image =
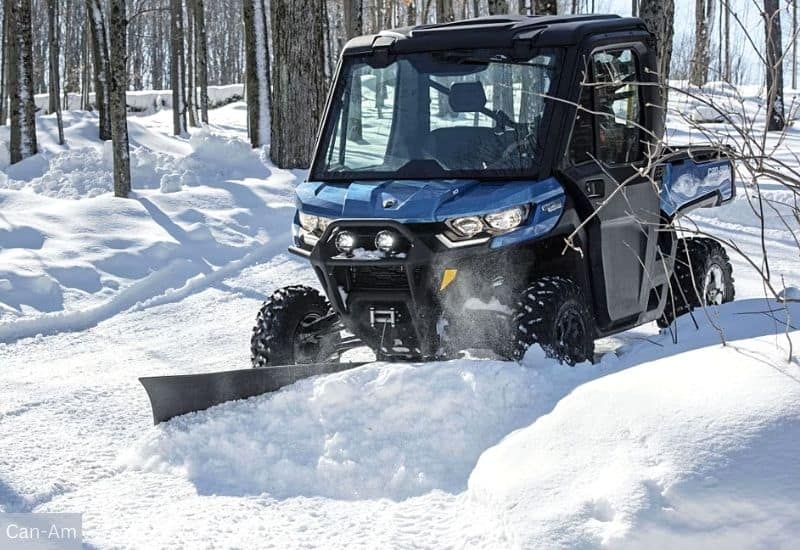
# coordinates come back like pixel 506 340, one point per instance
pixel 172 396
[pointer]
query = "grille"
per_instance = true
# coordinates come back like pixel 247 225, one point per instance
pixel 382 277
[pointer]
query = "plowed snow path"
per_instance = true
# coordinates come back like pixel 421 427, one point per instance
pixel 380 456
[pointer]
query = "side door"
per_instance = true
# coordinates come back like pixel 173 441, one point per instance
pixel 605 149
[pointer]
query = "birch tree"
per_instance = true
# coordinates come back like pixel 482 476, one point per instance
pixel 118 87
pixel 20 81
pixel 257 72
pixel 299 86
pixel 97 27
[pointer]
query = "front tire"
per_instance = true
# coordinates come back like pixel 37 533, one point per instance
pixel 703 276
pixel 554 313
pixel 278 337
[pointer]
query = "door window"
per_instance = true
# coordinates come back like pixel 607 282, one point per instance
pixel 607 125
pixel 617 103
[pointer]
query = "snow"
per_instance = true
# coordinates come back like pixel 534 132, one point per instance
pixel 147 102
pixel 661 444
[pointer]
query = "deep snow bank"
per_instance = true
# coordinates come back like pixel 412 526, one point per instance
pixel 72 255
pixel 663 446
pixel 383 430
pixel 700 450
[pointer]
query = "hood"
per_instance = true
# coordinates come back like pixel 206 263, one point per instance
pixel 419 201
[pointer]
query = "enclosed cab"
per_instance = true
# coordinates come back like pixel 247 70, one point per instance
pixel 491 183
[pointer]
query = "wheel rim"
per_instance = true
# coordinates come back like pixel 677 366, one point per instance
pixel 714 286
pixel 570 335
pixel 306 346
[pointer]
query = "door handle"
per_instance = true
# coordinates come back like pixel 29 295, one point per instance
pixel 595 188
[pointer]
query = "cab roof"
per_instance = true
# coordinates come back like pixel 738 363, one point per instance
pixel 498 31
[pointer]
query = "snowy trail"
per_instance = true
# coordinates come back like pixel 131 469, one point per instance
pixel 89 429
pixel 665 445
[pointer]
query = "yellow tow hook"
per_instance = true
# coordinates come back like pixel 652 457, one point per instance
pixel 448 277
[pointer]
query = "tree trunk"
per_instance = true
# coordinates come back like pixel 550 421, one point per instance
pixel 775 107
pixel 545 7
pixel 177 68
pixel 444 11
pixel 659 17
pixel 20 81
pixel 728 74
pixel 97 26
pixel 794 45
pixel 119 84
pixel 704 15
pixel 85 72
pixel 354 26
pixel 202 57
pixel 258 72
pixel 498 7
pixel 411 13
pixel 190 84
pixel 4 65
pixel 54 91
pixel 299 81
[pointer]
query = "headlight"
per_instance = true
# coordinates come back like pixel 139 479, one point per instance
pixel 308 222
pixel 385 241
pixel 467 227
pixel 505 220
pixel 323 223
pixel 345 242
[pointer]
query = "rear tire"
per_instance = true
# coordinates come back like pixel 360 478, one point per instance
pixel 554 313
pixel 703 276
pixel 277 338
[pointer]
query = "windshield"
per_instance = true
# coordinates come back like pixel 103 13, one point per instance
pixel 436 115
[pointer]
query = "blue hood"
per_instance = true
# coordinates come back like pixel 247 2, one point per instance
pixel 420 201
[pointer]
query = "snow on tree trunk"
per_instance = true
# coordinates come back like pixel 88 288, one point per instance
pixel 118 86
pixel 299 88
pixel 54 92
pixel 202 57
pixel 258 72
pixel 97 26
pixel 775 108
pixel 20 81
pixel 177 68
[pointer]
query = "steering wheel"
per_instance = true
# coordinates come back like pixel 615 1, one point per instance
pixel 515 147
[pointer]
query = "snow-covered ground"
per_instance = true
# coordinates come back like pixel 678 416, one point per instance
pixel 660 445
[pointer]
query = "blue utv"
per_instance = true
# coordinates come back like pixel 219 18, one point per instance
pixel 492 183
